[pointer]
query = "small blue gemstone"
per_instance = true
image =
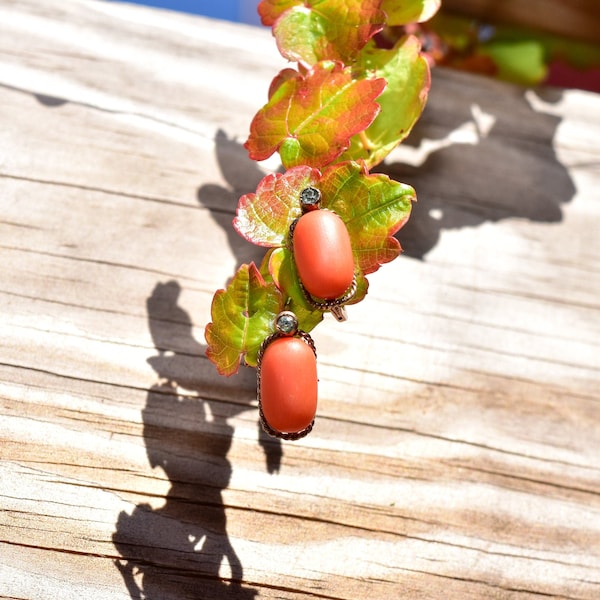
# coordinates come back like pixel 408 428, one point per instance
pixel 286 323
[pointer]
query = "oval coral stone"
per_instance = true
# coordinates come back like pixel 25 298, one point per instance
pixel 288 385
pixel 323 254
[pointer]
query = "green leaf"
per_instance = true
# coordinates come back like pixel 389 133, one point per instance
pixel 285 275
pixel 242 316
pixel 518 61
pixel 409 11
pixel 264 218
pixel 326 29
pixel 373 207
pixel 402 102
pixel 283 271
pixel 310 118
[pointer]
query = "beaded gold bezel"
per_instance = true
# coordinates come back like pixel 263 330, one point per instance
pixel 286 330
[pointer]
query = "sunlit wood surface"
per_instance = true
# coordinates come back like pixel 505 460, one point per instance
pixel 456 452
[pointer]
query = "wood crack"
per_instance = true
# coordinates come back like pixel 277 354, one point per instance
pixel 96 261
pixel 178 394
pixel 462 442
pixel 518 590
pixel 567 488
pixel 106 110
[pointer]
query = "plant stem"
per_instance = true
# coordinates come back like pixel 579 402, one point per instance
pixel 365 142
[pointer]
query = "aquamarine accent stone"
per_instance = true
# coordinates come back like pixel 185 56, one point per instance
pixel 286 323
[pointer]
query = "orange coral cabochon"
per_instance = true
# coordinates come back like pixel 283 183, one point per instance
pixel 288 388
pixel 323 254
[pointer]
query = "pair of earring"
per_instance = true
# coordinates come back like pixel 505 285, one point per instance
pixel 287 360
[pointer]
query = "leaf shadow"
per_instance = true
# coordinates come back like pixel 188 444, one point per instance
pixel 242 176
pixel 178 550
pixel 475 160
pixel 182 550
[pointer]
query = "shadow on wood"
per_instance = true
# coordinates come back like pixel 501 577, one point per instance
pixel 491 169
pixel 491 165
pixel 242 176
pixel 178 550
pixel 456 452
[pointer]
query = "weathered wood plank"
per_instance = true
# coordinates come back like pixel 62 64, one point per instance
pixel 456 448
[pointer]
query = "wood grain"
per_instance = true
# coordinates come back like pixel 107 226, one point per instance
pixel 455 453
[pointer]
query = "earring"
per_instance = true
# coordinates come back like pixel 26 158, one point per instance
pixel 286 380
pixel 323 255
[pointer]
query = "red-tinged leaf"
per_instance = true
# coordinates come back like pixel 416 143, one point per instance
pixel 271 10
pixel 327 29
pixel 280 79
pixel 242 316
pixel 373 207
pixel 409 11
pixel 264 218
pixel 311 118
pixel 408 80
